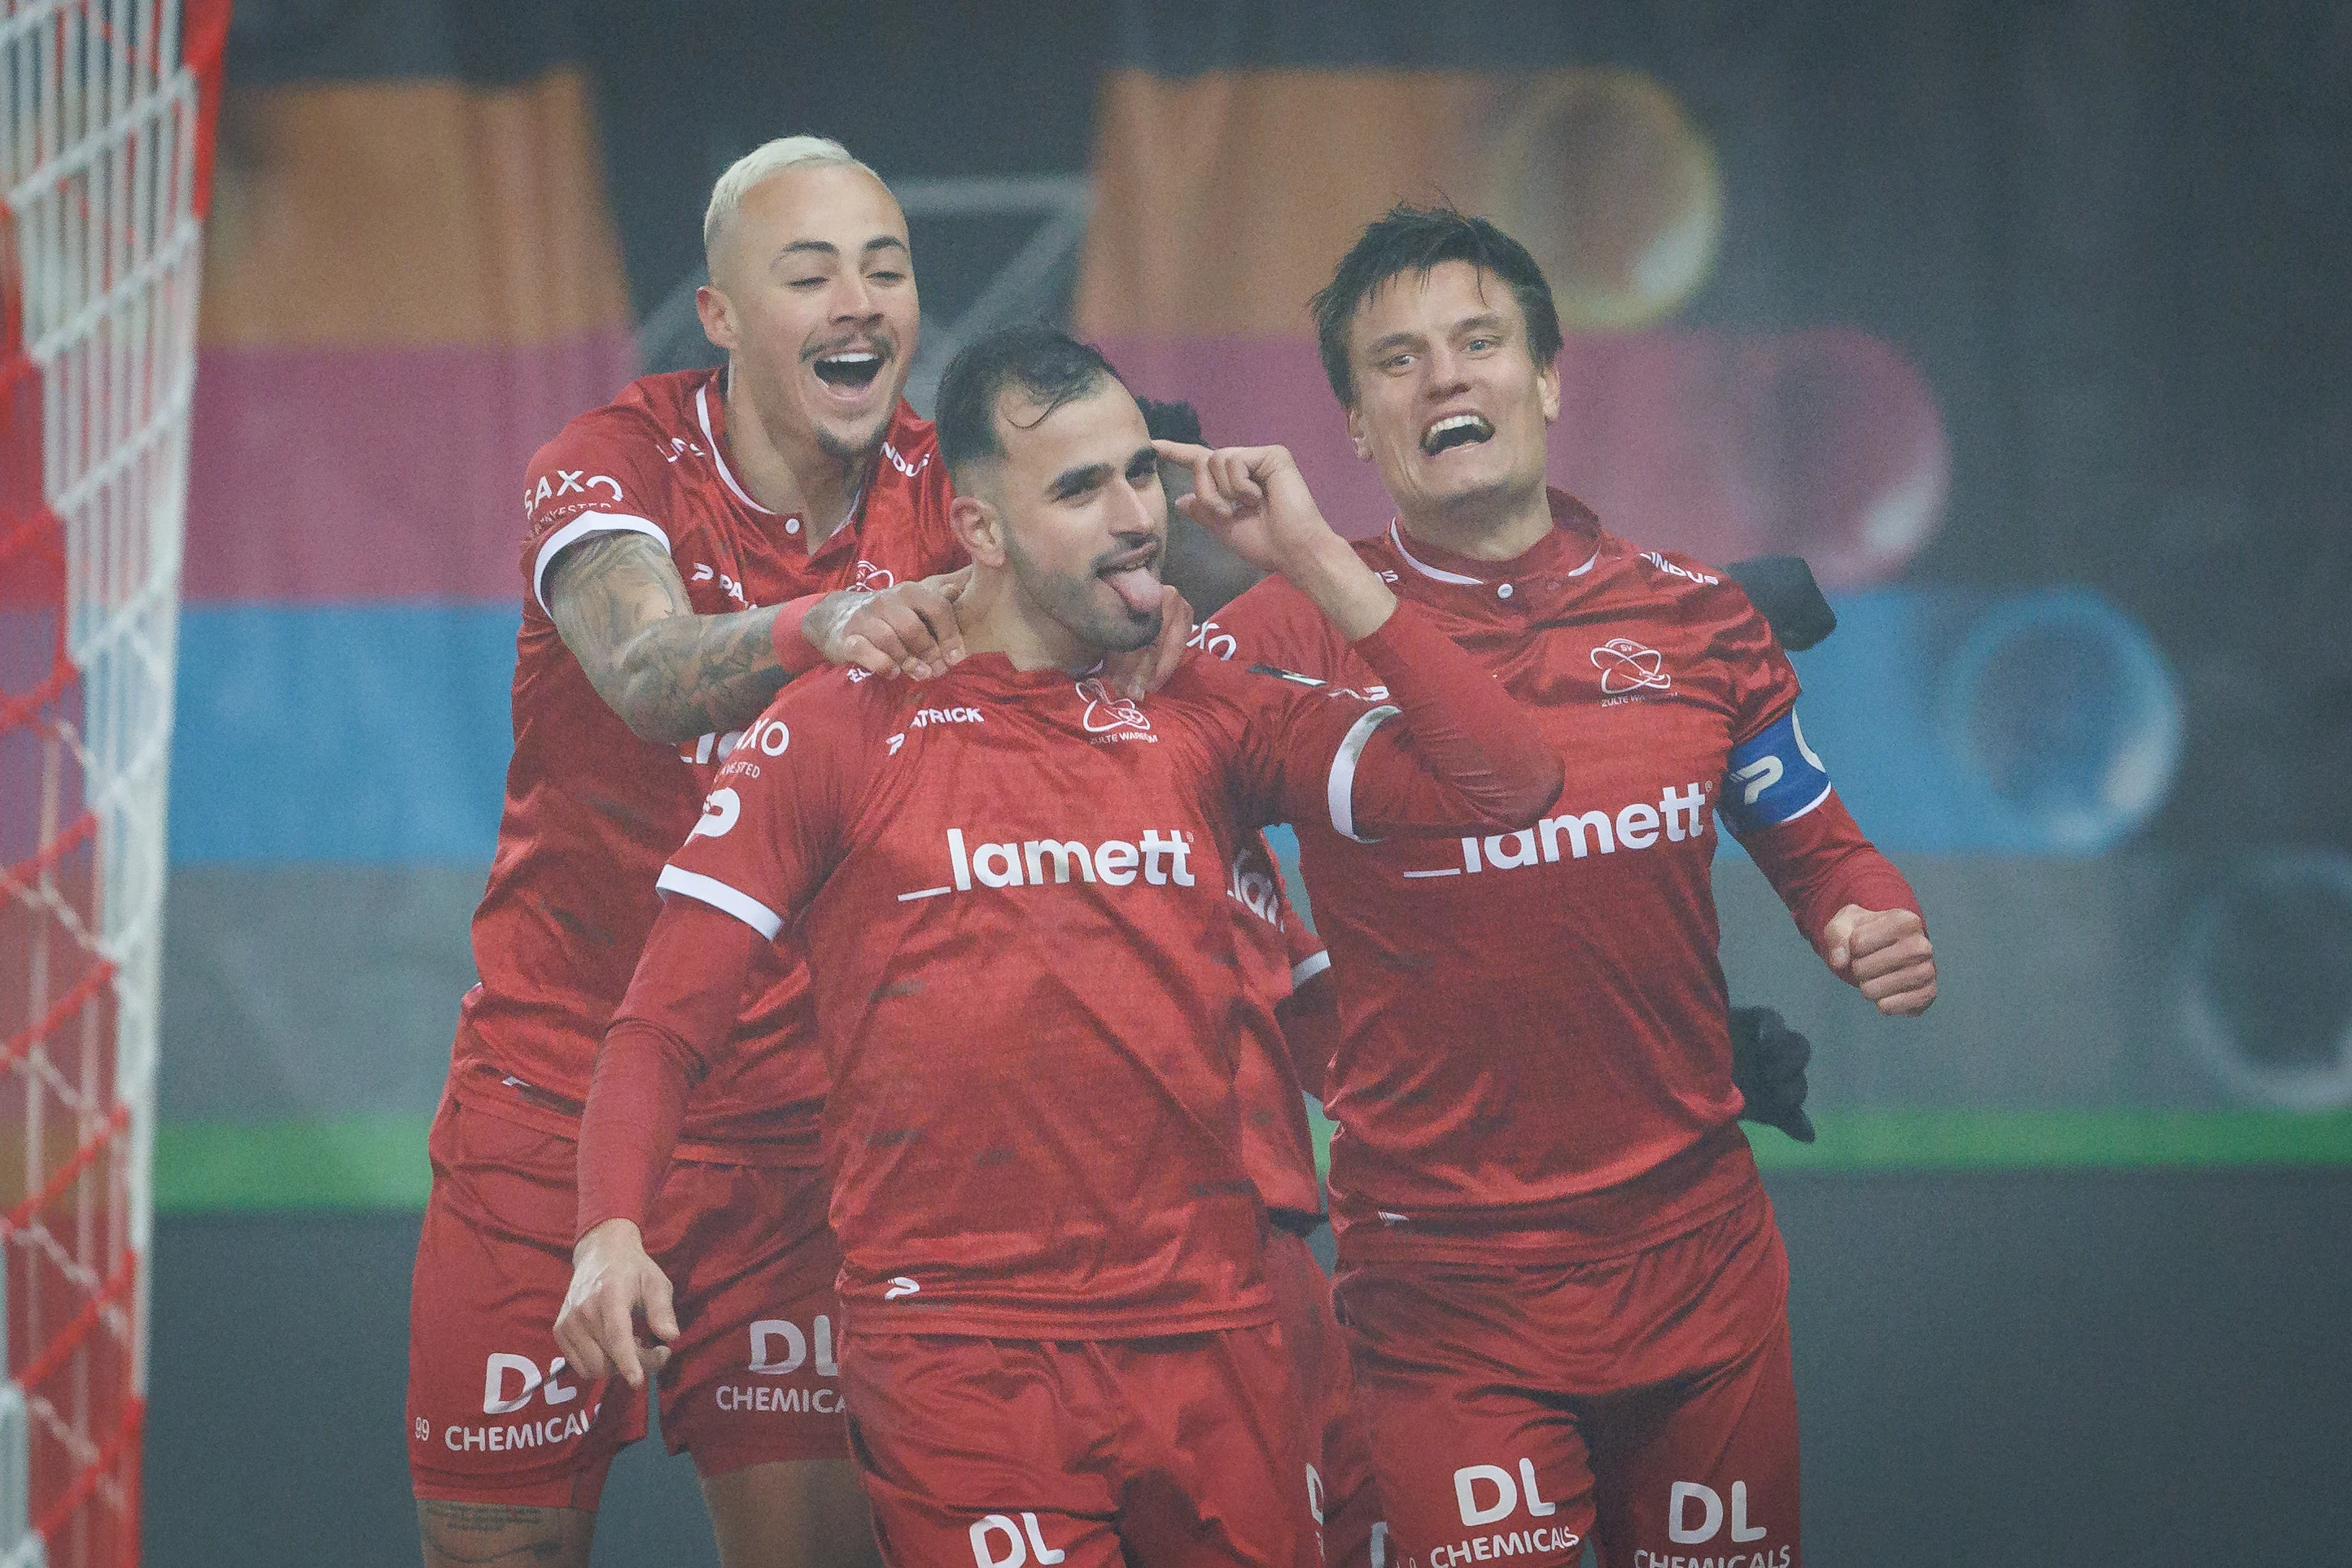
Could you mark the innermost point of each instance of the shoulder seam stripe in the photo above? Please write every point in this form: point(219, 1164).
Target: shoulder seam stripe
point(581, 527)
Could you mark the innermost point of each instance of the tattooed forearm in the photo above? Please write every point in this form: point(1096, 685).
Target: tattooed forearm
point(671, 675)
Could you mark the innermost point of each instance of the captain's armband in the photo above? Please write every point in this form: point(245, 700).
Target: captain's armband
point(1773, 777)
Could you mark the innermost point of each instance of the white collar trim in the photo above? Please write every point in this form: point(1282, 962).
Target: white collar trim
point(702, 413)
point(1396, 537)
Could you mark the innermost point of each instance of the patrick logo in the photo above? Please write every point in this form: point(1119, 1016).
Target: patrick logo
point(1627, 666)
point(1106, 712)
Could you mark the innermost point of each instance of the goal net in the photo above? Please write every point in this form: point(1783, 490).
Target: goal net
point(104, 156)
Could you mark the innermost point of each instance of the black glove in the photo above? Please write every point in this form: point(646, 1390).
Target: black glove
point(1782, 588)
point(1767, 1066)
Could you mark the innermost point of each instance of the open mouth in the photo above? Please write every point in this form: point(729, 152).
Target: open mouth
point(1134, 576)
point(849, 369)
point(1455, 430)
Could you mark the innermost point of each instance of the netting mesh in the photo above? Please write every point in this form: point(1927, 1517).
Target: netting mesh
point(101, 134)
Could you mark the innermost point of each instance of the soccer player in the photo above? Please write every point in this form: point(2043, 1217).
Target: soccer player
point(690, 546)
point(1010, 884)
point(1560, 1274)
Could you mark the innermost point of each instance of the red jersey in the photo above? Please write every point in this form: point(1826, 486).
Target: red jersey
point(592, 811)
point(1535, 1057)
point(1025, 962)
point(1278, 951)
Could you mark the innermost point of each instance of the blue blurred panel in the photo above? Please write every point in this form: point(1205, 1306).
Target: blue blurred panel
point(369, 735)
point(1959, 723)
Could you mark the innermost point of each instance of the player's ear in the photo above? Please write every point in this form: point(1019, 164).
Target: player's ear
point(718, 317)
point(1356, 434)
point(1547, 388)
point(979, 527)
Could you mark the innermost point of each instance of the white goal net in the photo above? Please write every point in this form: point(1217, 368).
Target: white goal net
point(103, 153)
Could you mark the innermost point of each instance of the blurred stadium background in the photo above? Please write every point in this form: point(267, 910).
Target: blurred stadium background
point(2027, 323)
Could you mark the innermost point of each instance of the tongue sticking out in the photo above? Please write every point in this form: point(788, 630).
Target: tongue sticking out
point(1138, 586)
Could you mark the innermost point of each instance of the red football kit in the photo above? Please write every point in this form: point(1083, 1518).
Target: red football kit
point(1012, 893)
point(1285, 989)
point(1538, 1127)
point(591, 813)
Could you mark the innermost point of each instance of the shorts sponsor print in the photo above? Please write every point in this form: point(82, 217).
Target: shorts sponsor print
point(1179, 1451)
point(495, 1416)
point(1644, 1402)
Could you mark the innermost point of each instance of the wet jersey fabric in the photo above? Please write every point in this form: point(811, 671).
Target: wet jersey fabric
point(1534, 1056)
point(592, 812)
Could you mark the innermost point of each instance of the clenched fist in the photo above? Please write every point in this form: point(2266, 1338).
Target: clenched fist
point(1884, 954)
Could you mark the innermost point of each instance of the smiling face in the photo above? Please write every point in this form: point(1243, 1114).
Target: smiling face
point(813, 293)
point(1450, 406)
point(1080, 522)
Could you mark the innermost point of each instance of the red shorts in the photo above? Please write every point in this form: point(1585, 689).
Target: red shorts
point(1345, 1495)
point(493, 1416)
point(1644, 1401)
point(1155, 1453)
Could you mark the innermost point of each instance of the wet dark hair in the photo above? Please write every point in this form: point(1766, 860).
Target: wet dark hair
point(1047, 366)
point(1171, 421)
point(1417, 240)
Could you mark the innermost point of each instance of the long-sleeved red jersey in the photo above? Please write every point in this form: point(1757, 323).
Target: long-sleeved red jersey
point(1534, 1059)
point(1013, 890)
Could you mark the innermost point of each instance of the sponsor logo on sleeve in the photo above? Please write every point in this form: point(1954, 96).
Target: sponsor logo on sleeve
point(721, 809)
point(569, 482)
point(1671, 570)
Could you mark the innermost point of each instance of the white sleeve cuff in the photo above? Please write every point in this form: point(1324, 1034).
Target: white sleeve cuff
point(1309, 967)
point(1342, 792)
point(720, 896)
point(578, 529)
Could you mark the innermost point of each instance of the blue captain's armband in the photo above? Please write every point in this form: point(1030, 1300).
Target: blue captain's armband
point(1774, 778)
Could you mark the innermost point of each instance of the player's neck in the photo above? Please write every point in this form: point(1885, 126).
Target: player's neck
point(996, 617)
point(790, 473)
point(1485, 528)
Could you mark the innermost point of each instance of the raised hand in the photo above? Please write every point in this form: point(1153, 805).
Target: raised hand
point(907, 630)
point(1884, 954)
point(612, 1283)
point(1255, 500)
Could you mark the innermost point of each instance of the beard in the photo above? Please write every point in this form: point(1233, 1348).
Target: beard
point(855, 449)
point(1084, 606)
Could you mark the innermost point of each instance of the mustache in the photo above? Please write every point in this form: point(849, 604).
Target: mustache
point(880, 341)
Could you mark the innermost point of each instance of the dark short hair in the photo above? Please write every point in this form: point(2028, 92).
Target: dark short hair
point(1047, 366)
point(1171, 421)
point(1417, 240)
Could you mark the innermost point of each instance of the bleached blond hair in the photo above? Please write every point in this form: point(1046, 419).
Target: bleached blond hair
point(764, 161)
